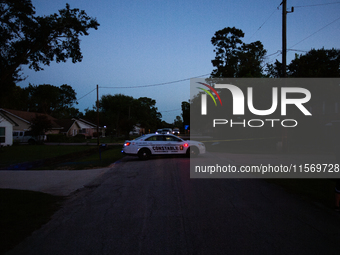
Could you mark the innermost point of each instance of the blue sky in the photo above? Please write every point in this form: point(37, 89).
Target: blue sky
point(151, 42)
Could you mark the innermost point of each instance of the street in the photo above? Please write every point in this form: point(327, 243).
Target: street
point(153, 207)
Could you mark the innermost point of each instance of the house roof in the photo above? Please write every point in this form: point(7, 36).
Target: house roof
point(66, 124)
point(28, 116)
point(4, 116)
point(63, 124)
point(87, 122)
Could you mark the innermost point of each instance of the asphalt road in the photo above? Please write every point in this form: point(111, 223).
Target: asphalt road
point(153, 207)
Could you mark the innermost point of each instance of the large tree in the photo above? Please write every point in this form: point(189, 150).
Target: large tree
point(315, 63)
point(27, 39)
point(53, 100)
point(185, 113)
point(234, 58)
point(148, 115)
point(40, 125)
point(274, 70)
point(178, 122)
point(121, 112)
point(116, 111)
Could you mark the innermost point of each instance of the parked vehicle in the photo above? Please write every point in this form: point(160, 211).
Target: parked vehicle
point(175, 131)
point(159, 131)
point(27, 137)
point(167, 131)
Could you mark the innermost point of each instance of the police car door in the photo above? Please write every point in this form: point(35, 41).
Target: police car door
point(173, 144)
point(156, 144)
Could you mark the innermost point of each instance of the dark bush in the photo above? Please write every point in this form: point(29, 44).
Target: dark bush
point(79, 138)
point(95, 134)
point(56, 138)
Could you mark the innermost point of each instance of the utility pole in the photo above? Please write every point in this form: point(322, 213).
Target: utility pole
point(284, 63)
point(284, 36)
point(97, 104)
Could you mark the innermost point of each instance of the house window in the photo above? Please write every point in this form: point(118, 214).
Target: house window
point(2, 134)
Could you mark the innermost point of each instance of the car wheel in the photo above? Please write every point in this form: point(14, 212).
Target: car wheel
point(144, 154)
point(192, 151)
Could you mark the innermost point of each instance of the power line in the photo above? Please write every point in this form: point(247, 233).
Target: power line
point(263, 23)
point(316, 32)
point(297, 50)
point(277, 8)
point(153, 85)
point(279, 52)
point(143, 86)
point(86, 94)
point(312, 5)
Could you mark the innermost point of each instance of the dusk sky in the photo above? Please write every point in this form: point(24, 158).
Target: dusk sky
point(153, 42)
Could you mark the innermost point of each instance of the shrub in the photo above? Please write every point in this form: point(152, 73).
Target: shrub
point(56, 138)
point(79, 138)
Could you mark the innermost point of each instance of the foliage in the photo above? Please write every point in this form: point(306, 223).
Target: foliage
point(91, 115)
point(27, 153)
point(186, 113)
point(23, 212)
point(55, 101)
point(274, 70)
point(40, 124)
point(121, 113)
point(117, 111)
point(235, 58)
point(315, 63)
point(14, 98)
point(178, 122)
point(148, 116)
point(26, 39)
point(57, 138)
point(61, 138)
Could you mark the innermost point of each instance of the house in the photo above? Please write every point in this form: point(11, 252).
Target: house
point(23, 119)
point(73, 127)
point(6, 130)
point(70, 127)
point(137, 130)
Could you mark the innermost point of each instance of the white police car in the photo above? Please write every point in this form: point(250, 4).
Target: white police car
point(160, 144)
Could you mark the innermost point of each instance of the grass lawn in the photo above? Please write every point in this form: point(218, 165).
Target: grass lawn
point(22, 212)
point(91, 160)
point(70, 157)
point(27, 153)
